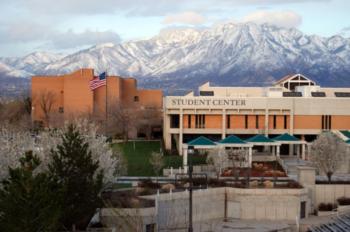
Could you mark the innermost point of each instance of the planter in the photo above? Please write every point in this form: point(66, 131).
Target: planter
point(343, 208)
point(325, 213)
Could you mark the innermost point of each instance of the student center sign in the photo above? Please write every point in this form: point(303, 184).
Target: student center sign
point(207, 102)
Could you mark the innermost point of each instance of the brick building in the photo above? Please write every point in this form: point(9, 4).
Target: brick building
point(60, 98)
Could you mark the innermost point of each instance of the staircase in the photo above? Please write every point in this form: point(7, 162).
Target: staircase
point(291, 163)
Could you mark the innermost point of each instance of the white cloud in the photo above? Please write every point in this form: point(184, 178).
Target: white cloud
point(188, 17)
point(278, 18)
point(23, 32)
point(71, 39)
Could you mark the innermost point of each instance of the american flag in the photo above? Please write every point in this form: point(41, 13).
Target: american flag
point(98, 81)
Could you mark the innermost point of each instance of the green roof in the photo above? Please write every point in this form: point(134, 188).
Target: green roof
point(201, 141)
point(259, 139)
point(232, 139)
point(286, 137)
point(346, 133)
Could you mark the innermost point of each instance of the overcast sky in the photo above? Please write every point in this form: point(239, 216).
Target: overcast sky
point(69, 25)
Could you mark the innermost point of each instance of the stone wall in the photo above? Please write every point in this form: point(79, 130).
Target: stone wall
point(128, 219)
point(270, 204)
point(172, 209)
point(329, 193)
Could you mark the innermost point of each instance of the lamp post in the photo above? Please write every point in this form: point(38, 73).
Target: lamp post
point(190, 171)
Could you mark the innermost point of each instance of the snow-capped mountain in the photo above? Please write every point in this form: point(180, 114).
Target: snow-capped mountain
point(227, 54)
point(8, 71)
point(33, 62)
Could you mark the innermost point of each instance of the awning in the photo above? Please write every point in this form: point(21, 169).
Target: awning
point(262, 140)
point(233, 141)
point(201, 142)
point(346, 133)
point(288, 139)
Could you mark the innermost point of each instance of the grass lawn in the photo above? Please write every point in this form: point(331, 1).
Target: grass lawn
point(138, 154)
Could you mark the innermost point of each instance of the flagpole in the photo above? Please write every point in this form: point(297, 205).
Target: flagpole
point(106, 104)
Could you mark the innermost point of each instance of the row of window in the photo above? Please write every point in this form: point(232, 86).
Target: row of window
point(326, 122)
point(200, 121)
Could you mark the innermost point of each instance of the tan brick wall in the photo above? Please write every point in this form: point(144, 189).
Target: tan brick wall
point(340, 122)
point(237, 121)
point(307, 122)
point(72, 92)
point(213, 121)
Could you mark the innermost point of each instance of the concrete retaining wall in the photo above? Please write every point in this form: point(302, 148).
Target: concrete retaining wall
point(329, 193)
point(125, 219)
point(172, 212)
point(270, 204)
point(173, 208)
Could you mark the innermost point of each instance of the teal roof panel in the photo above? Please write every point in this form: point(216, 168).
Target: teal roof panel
point(201, 141)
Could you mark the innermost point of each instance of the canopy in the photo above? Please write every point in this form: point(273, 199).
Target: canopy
point(346, 133)
point(233, 141)
point(201, 141)
point(288, 139)
point(262, 141)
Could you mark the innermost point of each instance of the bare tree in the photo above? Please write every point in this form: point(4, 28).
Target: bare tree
point(45, 100)
point(121, 120)
point(328, 153)
point(157, 162)
point(237, 156)
point(16, 113)
point(149, 118)
point(218, 158)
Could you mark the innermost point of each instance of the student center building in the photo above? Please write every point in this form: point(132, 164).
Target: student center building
point(295, 105)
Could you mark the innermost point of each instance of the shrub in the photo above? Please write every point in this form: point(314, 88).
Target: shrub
point(148, 183)
point(326, 207)
point(343, 201)
point(293, 184)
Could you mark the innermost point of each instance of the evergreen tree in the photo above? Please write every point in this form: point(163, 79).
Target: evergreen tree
point(72, 165)
point(29, 202)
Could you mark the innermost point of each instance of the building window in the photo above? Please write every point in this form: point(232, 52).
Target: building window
point(257, 121)
point(326, 122)
point(200, 121)
point(246, 121)
point(174, 121)
point(285, 122)
point(228, 121)
point(274, 121)
point(60, 110)
point(151, 227)
point(136, 98)
point(189, 121)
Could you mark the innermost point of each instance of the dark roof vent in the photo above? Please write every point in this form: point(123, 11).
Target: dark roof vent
point(292, 94)
point(342, 94)
point(318, 94)
point(206, 93)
